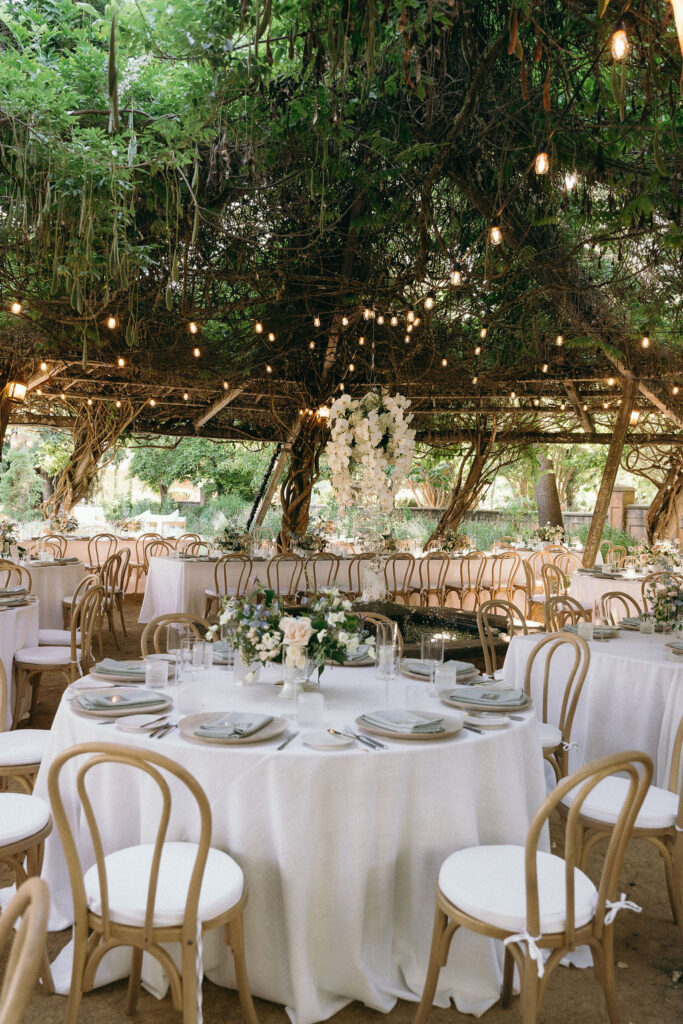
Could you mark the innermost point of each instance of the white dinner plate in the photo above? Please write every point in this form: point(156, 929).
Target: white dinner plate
point(486, 720)
point(452, 727)
point(122, 709)
point(188, 725)
point(320, 739)
point(141, 723)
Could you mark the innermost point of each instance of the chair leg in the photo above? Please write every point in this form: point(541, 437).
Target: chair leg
point(606, 973)
point(191, 983)
point(529, 990)
point(80, 956)
point(134, 981)
point(35, 690)
point(119, 604)
point(235, 938)
point(508, 977)
point(437, 956)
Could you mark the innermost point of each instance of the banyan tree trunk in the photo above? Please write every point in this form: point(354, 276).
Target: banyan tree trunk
point(466, 492)
point(547, 497)
point(662, 517)
point(297, 486)
point(96, 430)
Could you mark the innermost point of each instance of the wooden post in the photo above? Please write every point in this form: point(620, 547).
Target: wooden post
point(276, 476)
point(610, 474)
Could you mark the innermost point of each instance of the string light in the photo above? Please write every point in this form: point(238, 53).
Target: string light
point(121, 361)
point(618, 43)
point(536, 402)
point(409, 328)
point(323, 412)
point(152, 402)
point(193, 327)
point(16, 308)
point(571, 179)
point(605, 405)
point(645, 343)
point(62, 396)
point(544, 368)
point(271, 336)
point(477, 350)
point(311, 345)
point(513, 394)
point(394, 321)
point(118, 403)
point(585, 407)
point(634, 417)
point(196, 353)
point(407, 339)
point(90, 401)
point(429, 302)
point(316, 321)
point(380, 319)
point(618, 401)
point(269, 368)
point(43, 366)
point(258, 327)
point(610, 381)
point(410, 316)
point(361, 340)
point(225, 385)
point(367, 313)
point(352, 367)
point(444, 362)
point(185, 395)
point(559, 340)
point(675, 389)
point(542, 161)
point(345, 321)
point(563, 406)
point(474, 380)
point(111, 323)
point(39, 391)
point(416, 322)
point(456, 275)
point(341, 386)
point(495, 234)
point(483, 332)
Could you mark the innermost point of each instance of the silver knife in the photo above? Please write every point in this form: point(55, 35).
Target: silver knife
point(473, 728)
point(288, 740)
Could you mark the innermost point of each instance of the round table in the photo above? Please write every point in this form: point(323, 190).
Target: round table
point(341, 850)
point(632, 698)
point(50, 582)
point(18, 629)
point(587, 588)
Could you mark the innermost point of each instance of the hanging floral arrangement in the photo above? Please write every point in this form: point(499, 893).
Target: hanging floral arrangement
point(372, 433)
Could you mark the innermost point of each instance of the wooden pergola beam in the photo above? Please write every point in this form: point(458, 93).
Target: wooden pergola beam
point(216, 407)
point(584, 418)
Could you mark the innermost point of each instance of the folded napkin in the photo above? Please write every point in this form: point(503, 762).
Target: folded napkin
point(676, 645)
point(233, 725)
point(597, 630)
point(112, 667)
point(105, 701)
point(10, 602)
point(361, 654)
point(12, 591)
point(404, 721)
point(500, 698)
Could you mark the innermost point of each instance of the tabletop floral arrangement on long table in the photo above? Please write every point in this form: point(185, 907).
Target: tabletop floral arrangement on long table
point(665, 597)
point(262, 630)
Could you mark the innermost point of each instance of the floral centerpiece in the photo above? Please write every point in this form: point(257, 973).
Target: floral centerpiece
point(8, 535)
point(662, 552)
point(548, 534)
point(388, 544)
point(665, 598)
point(258, 627)
point(233, 539)
point(311, 542)
point(452, 541)
point(62, 522)
point(373, 435)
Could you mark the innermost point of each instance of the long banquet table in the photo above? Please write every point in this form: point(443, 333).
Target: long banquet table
point(50, 582)
point(341, 850)
point(632, 698)
point(589, 589)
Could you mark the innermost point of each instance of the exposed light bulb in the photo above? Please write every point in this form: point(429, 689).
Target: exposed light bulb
point(477, 350)
point(39, 391)
point(152, 402)
point(456, 275)
point(62, 396)
point(559, 340)
point(495, 234)
point(225, 385)
point(352, 367)
point(394, 321)
point(407, 339)
point(269, 368)
point(43, 366)
point(16, 308)
point(367, 313)
point(513, 394)
point(185, 395)
point(316, 321)
point(111, 322)
point(90, 401)
point(675, 390)
point(409, 328)
point(121, 361)
point(345, 321)
point(196, 353)
point(410, 316)
point(361, 340)
point(444, 362)
point(118, 403)
point(610, 381)
point(271, 336)
point(311, 345)
point(416, 322)
point(585, 407)
point(544, 368)
point(380, 319)
point(618, 43)
point(483, 332)
point(542, 161)
point(634, 417)
point(536, 402)
point(341, 386)
point(429, 301)
point(605, 405)
point(193, 327)
point(571, 179)
point(645, 343)
point(563, 406)
point(474, 380)
point(258, 327)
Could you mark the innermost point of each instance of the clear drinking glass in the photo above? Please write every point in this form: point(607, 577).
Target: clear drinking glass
point(187, 645)
point(432, 655)
point(156, 674)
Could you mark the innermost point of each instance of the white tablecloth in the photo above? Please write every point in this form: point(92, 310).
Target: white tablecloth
point(341, 851)
point(50, 583)
point(589, 589)
point(18, 629)
point(632, 698)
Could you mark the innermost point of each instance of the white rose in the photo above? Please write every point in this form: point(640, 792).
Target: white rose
point(296, 632)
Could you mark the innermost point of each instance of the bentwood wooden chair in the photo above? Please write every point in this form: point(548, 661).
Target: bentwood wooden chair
point(284, 574)
point(470, 568)
point(490, 631)
point(652, 580)
point(572, 664)
point(659, 821)
point(615, 606)
point(398, 573)
point(555, 583)
point(321, 570)
point(185, 540)
point(13, 575)
point(371, 620)
point(432, 569)
point(21, 750)
point(197, 547)
point(231, 576)
point(503, 578)
point(503, 543)
point(568, 562)
point(24, 920)
point(157, 549)
point(356, 574)
point(54, 543)
point(155, 630)
point(139, 565)
point(534, 596)
point(153, 894)
point(68, 604)
point(68, 662)
point(100, 547)
point(562, 610)
point(534, 901)
point(113, 579)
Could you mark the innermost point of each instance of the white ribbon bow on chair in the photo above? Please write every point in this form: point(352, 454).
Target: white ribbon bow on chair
point(614, 906)
point(535, 952)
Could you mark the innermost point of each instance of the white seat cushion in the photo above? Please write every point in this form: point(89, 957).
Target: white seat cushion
point(24, 746)
point(68, 600)
point(551, 737)
point(488, 882)
point(21, 816)
point(57, 637)
point(128, 881)
point(43, 656)
point(604, 803)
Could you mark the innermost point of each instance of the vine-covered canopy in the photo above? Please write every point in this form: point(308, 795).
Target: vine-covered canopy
point(221, 212)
